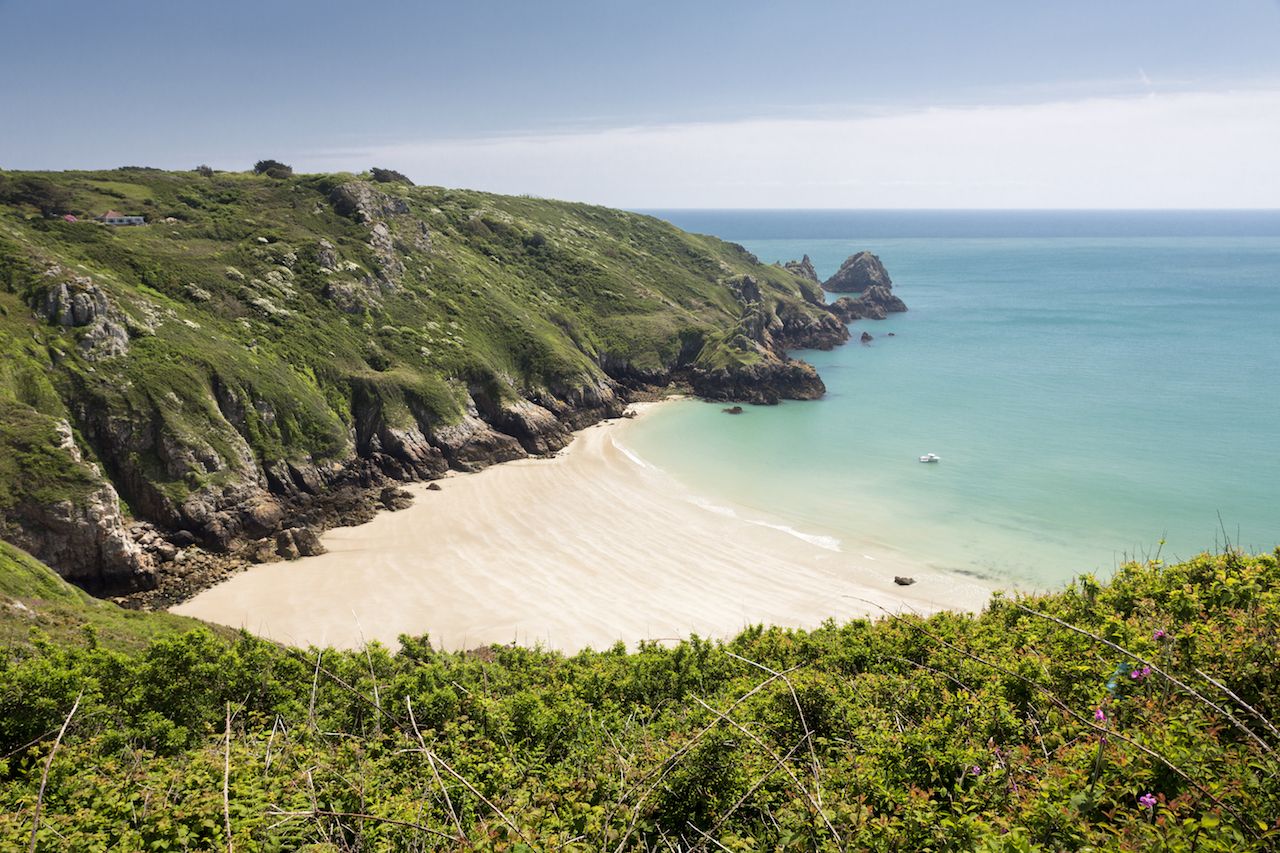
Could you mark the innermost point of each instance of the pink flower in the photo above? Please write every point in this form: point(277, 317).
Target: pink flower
point(1100, 715)
point(1159, 634)
point(1147, 800)
point(975, 770)
point(1140, 674)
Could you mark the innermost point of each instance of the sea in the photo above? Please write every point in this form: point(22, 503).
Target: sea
point(1100, 386)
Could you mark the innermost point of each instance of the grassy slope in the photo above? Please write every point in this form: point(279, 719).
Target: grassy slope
point(513, 296)
point(36, 604)
point(955, 733)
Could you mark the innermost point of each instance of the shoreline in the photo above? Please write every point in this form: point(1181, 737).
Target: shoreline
point(585, 548)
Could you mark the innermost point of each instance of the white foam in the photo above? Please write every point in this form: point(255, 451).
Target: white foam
point(829, 543)
point(712, 507)
point(634, 458)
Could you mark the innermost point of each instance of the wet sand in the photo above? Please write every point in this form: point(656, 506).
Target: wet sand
point(584, 549)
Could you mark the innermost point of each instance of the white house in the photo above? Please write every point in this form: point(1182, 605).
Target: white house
point(115, 217)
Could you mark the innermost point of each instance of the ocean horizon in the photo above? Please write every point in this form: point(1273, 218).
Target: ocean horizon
point(1100, 385)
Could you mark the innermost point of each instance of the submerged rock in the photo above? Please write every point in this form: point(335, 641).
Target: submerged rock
point(732, 410)
point(866, 337)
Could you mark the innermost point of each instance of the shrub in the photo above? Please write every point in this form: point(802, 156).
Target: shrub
point(41, 193)
point(272, 169)
point(389, 176)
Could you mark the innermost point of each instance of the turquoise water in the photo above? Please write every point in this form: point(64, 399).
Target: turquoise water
point(1089, 395)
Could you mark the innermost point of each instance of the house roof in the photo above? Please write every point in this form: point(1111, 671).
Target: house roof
point(111, 214)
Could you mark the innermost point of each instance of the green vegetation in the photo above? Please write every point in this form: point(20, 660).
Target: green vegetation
point(389, 176)
point(257, 309)
point(38, 608)
point(1007, 731)
point(272, 169)
point(274, 318)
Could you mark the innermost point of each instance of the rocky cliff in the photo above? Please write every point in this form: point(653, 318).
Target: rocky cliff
point(269, 357)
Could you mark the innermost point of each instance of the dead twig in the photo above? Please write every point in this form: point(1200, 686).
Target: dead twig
point(462, 835)
point(226, 780)
point(804, 792)
point(1243, 704)
point(479, 795)
point(777, 765)
point(319, 813)
point(44, 777)
point(669, 763)
point(804, 725)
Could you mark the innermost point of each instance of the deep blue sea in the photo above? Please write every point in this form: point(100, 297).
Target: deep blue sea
point(1095, 383)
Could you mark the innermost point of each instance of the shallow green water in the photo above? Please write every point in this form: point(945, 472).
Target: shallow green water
point(1089, 396)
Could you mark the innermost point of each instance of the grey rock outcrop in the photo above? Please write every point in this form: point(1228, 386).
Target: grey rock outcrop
point(876, 303)
point(857, 273)
point(804, 269)
point(363, 202)
point(537, 429)
point(471, 444)
point(763, 383)
point(76, 302)
point(85, 538)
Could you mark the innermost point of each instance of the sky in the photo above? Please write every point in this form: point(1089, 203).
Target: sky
point(660, 104)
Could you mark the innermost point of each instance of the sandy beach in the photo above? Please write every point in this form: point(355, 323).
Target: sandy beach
point(584, 549)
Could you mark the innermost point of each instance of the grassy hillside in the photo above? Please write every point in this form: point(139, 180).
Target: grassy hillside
point(38, 606)
point(1132, 714)
point(263, 342)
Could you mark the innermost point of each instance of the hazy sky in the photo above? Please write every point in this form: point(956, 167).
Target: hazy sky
point(721, 103)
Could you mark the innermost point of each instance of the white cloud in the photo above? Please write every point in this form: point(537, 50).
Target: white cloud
point(1209, 149)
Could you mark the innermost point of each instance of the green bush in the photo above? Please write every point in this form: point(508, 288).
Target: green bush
point(947, 733)
point(272, 169)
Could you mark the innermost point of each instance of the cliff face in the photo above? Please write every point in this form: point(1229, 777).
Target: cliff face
point(266, 358)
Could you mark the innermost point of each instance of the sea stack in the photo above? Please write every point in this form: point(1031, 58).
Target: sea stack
point(865, 275)
point(857, 274)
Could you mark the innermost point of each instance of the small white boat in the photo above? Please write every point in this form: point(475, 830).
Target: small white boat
point(931, 457)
